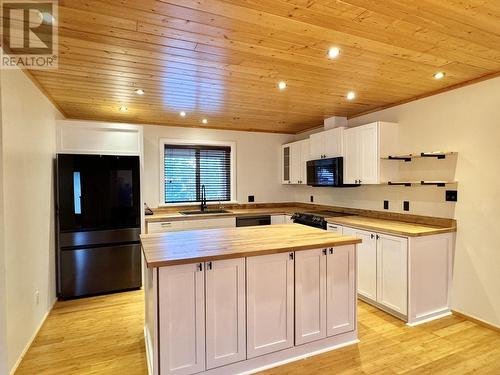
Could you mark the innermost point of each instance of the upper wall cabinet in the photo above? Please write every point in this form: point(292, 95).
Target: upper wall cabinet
point(294, 158)
point(327, 144)
point(363, 146)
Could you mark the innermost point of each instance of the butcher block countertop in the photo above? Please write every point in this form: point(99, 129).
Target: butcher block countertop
point(233, 212)
point(390, 226)
point(173, 248)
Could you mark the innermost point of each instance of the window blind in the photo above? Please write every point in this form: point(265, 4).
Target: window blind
point(188, 168)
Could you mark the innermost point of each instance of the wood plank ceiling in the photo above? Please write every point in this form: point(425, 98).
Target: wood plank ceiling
point(222, 60)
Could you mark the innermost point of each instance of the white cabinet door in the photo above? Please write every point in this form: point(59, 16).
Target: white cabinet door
point(316, 146)
point(367, 262)
point(225, 312)
point(182, 319)
point(310, 295)
point(334, 228)
point(333, 142)
point(295, 163)
point(392, 272)
point(277, 219)
point(304, 158)
point(285, 164)
point(340, 289)
point(270, 299)
point(368, 153)
point(351, 156)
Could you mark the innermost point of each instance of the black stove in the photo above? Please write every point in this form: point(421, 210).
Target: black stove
point(315, 219)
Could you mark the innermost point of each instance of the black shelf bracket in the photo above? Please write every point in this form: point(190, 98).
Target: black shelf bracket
point(427, 155)
point(399, 183)
point(441, 184)
point(406, 159)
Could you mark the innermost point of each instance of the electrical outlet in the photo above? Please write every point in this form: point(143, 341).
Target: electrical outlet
point(251, 198)
point(36, 297)
point(386, 205)
point(312, 198)
point(451, 195)
point(406, 206)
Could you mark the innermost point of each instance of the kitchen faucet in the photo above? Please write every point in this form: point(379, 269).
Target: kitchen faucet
point(203, 198)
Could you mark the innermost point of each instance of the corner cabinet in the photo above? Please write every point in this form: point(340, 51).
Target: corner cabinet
point(363, 147)
point(409, 277)
point(294, 157)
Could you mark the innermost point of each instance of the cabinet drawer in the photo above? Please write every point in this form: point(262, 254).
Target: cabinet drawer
point(334, 228)
point(165, 226)
point(225, 222)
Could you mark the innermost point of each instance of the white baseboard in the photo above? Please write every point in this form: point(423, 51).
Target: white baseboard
point(429, 319)
point(30, 342)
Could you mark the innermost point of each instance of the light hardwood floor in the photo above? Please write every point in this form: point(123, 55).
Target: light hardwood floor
point(104, 335)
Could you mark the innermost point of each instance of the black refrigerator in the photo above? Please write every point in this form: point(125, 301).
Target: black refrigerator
point(98, 224)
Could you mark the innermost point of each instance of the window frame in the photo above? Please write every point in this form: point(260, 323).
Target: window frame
point(189, 142)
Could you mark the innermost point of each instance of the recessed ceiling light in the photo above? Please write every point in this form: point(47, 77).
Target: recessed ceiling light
point(351, 95)
point(139, 92)
point(123, 109)
point(439, 75)
point(182, 114)
point(205, 121)
point(333, 52)
point(282, 85)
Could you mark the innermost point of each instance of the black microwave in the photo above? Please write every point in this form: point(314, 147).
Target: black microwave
point(326, 172)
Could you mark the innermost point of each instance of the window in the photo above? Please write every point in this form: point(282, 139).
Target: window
point(187, 168)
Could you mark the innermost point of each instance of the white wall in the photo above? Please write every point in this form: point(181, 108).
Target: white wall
point(28, 149)
point(466, 120)
point(3, 300)
point(258, 161)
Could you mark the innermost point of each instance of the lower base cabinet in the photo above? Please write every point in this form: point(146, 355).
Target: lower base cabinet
point(325, 293)
point(270, 299)
point(215, 314)
point(182, 319)
point(202, 316)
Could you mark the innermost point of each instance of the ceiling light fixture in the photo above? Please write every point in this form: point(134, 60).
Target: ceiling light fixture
point(439, 75)
point(282, 85)
point(351, 95)
point(182, 114)
point(333, 52)
point(123, 109)
point(204, 121)
point(139, 92)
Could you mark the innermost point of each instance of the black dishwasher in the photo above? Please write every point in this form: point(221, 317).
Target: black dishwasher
point(251, 221)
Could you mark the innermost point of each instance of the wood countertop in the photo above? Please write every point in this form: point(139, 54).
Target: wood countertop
point(173, 248)
point(390, 226)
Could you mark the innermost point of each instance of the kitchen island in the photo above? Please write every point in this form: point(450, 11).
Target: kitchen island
point(238, 300)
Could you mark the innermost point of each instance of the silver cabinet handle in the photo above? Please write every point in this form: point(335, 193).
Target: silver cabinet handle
point(166, 224)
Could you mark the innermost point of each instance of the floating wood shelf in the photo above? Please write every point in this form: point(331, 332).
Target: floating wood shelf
point(409, 157)
point(420, 183)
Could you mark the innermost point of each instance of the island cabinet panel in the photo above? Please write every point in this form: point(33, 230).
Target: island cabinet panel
point(182, 319)
point(392, 272)
point(225, 312)
point(270, 303)
point(310, 295)
point(367, 262)
point(341, 290)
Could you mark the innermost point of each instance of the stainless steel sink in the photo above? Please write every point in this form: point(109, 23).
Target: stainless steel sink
point(206, 212)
